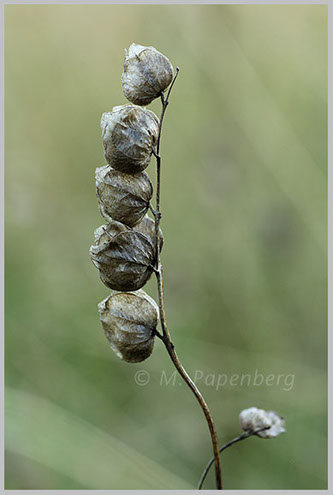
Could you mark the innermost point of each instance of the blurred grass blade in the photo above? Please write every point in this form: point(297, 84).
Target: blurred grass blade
point(48, 434)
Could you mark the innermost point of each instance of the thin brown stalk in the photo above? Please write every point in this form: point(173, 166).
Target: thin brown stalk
point(165, 337)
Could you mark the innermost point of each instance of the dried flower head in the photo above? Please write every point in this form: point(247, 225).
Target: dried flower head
point(123, 197)
point(147, 73)
point(253, 419)
point(124, 256)
point(129, 321)
point(129, 135)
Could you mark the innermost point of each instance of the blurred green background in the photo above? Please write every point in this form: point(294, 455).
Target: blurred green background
point(244, 218)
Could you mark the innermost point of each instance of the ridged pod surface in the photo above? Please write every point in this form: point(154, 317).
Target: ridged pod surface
point(147, 73)
point(129, 321)
point(123, 197)
point(129, 135)
point(124, 256)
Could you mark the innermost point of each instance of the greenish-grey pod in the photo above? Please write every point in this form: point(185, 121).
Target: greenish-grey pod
point(123, 197)
point(129, 135)
point(147, 73)
point(125, 257)
point(129, 321)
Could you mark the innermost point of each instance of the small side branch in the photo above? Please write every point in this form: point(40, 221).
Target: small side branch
point(171, 85)
point(225, 446)
point(155, 213)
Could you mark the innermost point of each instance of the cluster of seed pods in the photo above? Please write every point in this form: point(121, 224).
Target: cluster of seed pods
point(124, 250)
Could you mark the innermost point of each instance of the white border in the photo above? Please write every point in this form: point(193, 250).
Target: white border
point(330, 203)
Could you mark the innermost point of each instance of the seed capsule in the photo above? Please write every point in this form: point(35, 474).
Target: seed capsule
point(147, 228)
point(129, 321)
point(129, 135)
point(147, 73)
point(124, 256)
point(123, 197)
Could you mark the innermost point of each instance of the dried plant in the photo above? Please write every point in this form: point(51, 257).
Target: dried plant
point(127, 250)
point(255, 422)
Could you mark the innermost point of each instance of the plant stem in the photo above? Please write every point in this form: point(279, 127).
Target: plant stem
point(235, 440)
point(165, 337)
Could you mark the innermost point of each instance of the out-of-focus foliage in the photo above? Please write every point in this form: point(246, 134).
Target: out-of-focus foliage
point(244, 220)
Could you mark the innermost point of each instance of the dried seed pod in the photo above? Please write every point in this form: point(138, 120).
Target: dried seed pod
point(129, 135)
point(253, 419)
point(104, 233)
point(147, 228)
point(147, 73)
point(123, 197)
point(124, 256)
point(129, 321)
